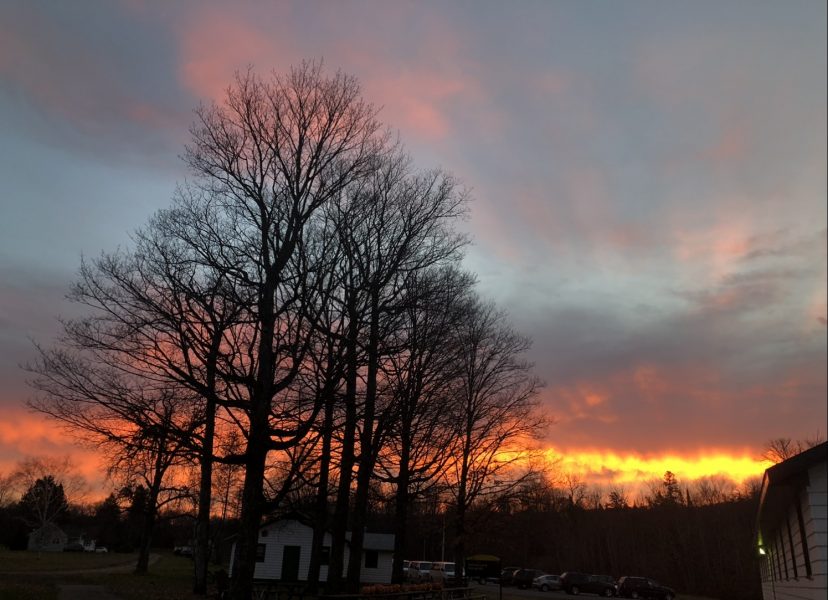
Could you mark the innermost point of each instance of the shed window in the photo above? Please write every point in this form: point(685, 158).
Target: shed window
point(263, 533)
point(260, 552)
point(325, 556)
point(371, 559)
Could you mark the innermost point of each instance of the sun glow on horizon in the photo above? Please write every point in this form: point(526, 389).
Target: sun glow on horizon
point(606, 467)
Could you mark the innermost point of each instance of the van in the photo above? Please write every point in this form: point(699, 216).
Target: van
point(442, 570)
point(419, 570)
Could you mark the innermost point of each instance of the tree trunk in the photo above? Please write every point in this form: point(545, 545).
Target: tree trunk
point(142, 566)
point(202, 529)
point(460, 514)
point(401, 517)
point(258, 444)
point(244, 563)
point(321, 516)
point(346, 463)
point(367, 452)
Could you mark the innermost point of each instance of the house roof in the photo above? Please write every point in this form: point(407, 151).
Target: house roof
point(375, 541)
point(371, 540)
point(781, 483)
point(50, 528)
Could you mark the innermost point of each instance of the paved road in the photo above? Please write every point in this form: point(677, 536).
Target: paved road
point(492, 591)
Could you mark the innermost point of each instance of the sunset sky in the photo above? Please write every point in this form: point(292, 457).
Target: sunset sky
point(649, 184)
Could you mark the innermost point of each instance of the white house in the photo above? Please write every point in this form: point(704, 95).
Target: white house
point(49, 538)
point(792, 527)
point(285, 547)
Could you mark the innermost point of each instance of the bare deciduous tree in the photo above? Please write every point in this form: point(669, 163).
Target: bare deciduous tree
point(782, 448)
point(140, 424)
point(272, 155)
point(496, 411)
point(419, 373)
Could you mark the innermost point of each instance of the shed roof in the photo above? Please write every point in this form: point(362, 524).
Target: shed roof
point(781, 483)
point(371, 540)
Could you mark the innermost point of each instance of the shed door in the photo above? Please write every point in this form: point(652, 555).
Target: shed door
point(290, 563)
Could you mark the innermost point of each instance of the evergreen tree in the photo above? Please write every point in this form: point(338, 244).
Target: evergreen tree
point(44, 501)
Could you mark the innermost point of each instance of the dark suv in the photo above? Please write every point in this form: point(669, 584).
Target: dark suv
point(576, 583)
point(643, 587)
point(523, 578)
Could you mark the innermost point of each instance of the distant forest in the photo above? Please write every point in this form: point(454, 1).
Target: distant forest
point(702, 550)
point(697, 539)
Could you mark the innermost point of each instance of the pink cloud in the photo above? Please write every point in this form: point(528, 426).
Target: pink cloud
point(731, 145)
point(418, 100)
point(552, 83)
point(215, 43)
point(714, 249)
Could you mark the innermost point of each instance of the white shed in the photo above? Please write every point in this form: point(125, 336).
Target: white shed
point(49, 538)
point(792, 527)
point(285, 548)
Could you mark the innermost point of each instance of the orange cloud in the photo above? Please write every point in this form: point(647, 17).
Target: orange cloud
point(23, 434)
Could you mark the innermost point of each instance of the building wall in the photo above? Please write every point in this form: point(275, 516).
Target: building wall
point(816, 521)
point(275, 536)
point(785, 569)
point(48, 538)
point(382, 573)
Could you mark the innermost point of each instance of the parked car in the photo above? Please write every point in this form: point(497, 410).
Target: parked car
point(183, 550)
point(507, 575)
point(577, 583)
point(523, 578)
point(101, 550)
point(644, 587)
point(545, 583)
point(482, 568)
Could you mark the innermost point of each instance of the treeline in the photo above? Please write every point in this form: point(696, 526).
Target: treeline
point(40, 491)
point(298, 324)
point(686, 537)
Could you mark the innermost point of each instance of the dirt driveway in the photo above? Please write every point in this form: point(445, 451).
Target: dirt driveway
point(83, 591)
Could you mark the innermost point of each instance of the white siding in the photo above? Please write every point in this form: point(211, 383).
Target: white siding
point(781, 584)
point(275, 536)
point(816, 521)
point(381, 574)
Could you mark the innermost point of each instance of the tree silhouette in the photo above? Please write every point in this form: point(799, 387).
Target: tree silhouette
point(44, 501)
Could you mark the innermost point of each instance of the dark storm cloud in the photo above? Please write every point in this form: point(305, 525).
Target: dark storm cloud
point(734, 364)
point(88, 81)
point(648, 181)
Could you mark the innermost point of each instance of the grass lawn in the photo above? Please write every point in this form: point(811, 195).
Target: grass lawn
point(38, 562)
point(170, 578)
